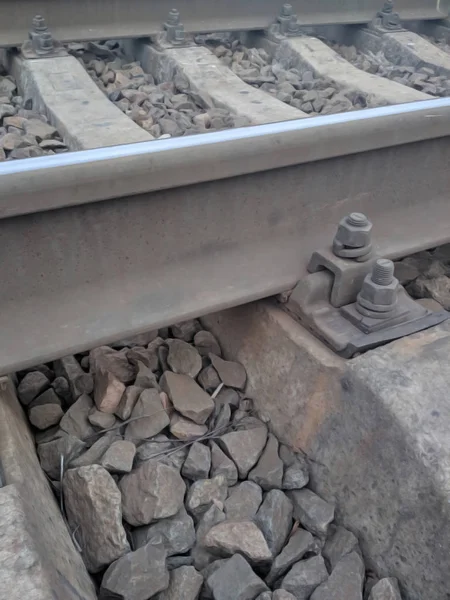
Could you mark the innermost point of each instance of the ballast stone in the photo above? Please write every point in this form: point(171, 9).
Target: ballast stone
point(93, 506)
point(345, 582)
point(314, 513)
point(235, 580)
point(138, 575)
point(150, 492)
point(304, 577)
point(187, 397)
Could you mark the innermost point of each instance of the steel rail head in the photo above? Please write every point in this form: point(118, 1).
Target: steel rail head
point(74, 20)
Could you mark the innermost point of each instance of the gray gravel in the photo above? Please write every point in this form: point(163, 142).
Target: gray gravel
point(160, 510)
point(314, 96)
point(24, 133)
point(426, 277)
point(423, 79)
point(160, 107)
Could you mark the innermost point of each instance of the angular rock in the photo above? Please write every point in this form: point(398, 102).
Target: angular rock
point(48, 435)
point(185, 584)
point(203, 493)
point(243, 501)
point(95, 453)
point(274, 518)
point(62, 388)
point(345, 582)
point(312, 511)
point(235, 580)
point(223, 418)
point(268, 472)
point(75, 421)
point(152, 491)
point(209, 379)
point(304, 577)
point(93, 507)
point(184, 358)
point(298, 545)
point(163, 353)
point(265, 596)
point(198, 462)
point(232, 374)
point(47, 397)
point(45, 415)
point(100, 419)
point(296, 473)
point(341, 543)
point(185, 429)
point(245, 446)
point(206, 343)
point(200, 555)
point(40, 130)
point(79, 381)
point(385, 589)
point(108, 391)
point(187, 397)
point(296, 476)
point(155, 344)
point(31, 386)
point(238, 537)
point(127, 402)
point(138, 575)
point(116, 362)
point(227, 396)
point(149, 358)
point(185, 330)
point(119, 457)
point(437, 288)
point(176, 534)
point(144, 427)
point(50, 453)
point(207, 593)
point(147, 450)
point(222, 465)
point(145, 377)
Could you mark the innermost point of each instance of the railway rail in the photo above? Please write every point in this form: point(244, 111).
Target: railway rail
point(110, 241)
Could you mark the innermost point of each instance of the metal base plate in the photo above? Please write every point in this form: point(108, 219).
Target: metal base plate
point(344, 329)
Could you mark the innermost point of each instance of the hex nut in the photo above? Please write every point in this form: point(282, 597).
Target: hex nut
point(385, 295)
point(353, 236)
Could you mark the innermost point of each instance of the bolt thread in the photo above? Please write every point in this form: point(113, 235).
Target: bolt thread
point(357, 219)
point(286, 10)
point(383, 272)
point(174, 17)
point(39, 23)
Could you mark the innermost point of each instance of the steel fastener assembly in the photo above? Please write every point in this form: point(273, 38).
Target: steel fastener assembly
point(174, 27)
point(378, 295)
point(353, 236)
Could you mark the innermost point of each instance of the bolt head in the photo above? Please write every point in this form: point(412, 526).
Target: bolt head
point(385, 295)
point(351, 236)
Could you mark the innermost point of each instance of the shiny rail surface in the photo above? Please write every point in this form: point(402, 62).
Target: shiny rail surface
point(102, 19)
point(104, 243)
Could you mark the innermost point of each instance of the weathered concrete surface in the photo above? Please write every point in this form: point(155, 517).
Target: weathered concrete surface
point(309, 53)
point(38, 560)
point(216, 84)
point(375, 429)
point(406, 48)
point(85, 118)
